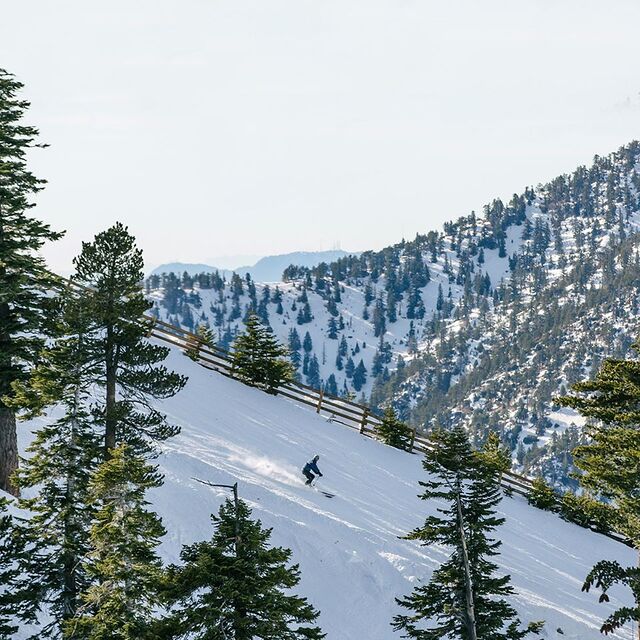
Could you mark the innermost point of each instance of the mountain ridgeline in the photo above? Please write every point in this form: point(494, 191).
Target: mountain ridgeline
point(479, 325)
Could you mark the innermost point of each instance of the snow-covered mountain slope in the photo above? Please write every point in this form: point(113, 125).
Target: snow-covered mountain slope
point(352, 559)
point(480, 324)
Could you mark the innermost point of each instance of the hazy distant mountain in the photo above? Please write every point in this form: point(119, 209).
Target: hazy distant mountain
point(268, 269)
point(181, 267)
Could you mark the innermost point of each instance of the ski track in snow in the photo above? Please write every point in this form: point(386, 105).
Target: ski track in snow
point(352, 559)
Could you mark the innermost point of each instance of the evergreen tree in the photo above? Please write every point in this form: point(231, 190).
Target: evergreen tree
point(313, 374)
point(130, 373)
point(236, 586)
point(440, 300)
point(63, 455)
point(332, 329)
point(295, 359)
point(204, 338)
point(123, 563)
point(23, 278)
point(343, 347)
point(349, 368)
point(258, 359)
point(304, 314)
point(307, 343)
point(495, 455)
point(377, 366)
point(393, 431)
point(542, 495)
point(294, 340)
point(9, 553)
point(609, 465)
point(379, 320)
point(464, 599)
point(359, 376)
point(331, 386)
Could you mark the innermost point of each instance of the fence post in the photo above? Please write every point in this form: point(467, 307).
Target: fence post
point(192, 347)
point(363, 423)
point(413, 439)
point(320, 396)
point(152, 326)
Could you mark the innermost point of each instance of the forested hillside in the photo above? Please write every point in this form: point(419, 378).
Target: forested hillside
point(480, 324)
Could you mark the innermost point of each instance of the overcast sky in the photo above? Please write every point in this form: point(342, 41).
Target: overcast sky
point(253, 127)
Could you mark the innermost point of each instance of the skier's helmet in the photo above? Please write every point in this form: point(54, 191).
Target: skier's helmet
point(316, 458)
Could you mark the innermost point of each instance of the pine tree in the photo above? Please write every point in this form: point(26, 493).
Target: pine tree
point(359, 376)
point(9, 553)
point(542, 495)
point(205, 339)
point(258, 359)
point(609, 465)
point(343, 347)
point(123, 563)
point(349, 368)
point(464, 599)
point(393, 431)
point(495, 455)
point(332, 329)
point(294, 340)
point(331, 386)
point(23, 278)
point(379, 320)
point(130, 373)
point(313, 373)
point(63, 455)
point(307, 343)
point(236, 586)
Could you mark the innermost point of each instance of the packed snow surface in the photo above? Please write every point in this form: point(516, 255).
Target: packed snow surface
point(352, 559)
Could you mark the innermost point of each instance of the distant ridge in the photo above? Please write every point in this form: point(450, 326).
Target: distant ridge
point(270, 268)
point(267, 269)
point(180, 267)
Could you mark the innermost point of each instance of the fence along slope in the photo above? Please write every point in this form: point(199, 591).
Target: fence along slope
point(342, 410)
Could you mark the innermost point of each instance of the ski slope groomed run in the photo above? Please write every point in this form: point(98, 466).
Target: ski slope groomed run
point(352, 560)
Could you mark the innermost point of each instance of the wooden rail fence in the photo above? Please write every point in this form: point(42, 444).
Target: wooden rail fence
point(342, 410)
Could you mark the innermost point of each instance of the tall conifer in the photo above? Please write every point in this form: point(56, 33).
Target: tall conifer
point(610, 465)
point(393, 431)
point(258, 359)
point(62, 457)
point(23, 278)
point(236, 586)
point(130, 369)
point(464, 599)
point(123, 563)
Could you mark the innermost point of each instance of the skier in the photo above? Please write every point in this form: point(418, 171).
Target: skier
point(312, 465)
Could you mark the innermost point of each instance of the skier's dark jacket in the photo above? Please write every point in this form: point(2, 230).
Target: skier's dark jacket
point(312, 466)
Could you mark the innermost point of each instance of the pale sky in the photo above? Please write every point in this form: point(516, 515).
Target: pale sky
point(254, 127)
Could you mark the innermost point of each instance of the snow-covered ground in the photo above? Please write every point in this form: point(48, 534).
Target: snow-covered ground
point(352, 560)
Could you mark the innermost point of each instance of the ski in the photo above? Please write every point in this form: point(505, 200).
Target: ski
point(323, 492)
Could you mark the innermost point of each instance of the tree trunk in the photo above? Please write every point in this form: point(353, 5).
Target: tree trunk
point(71, 561)
point(8, 450)
point(110, 409)
point(8, 436)
point(470, 608)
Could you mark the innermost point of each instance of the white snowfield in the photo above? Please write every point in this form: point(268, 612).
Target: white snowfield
point(353, 562)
